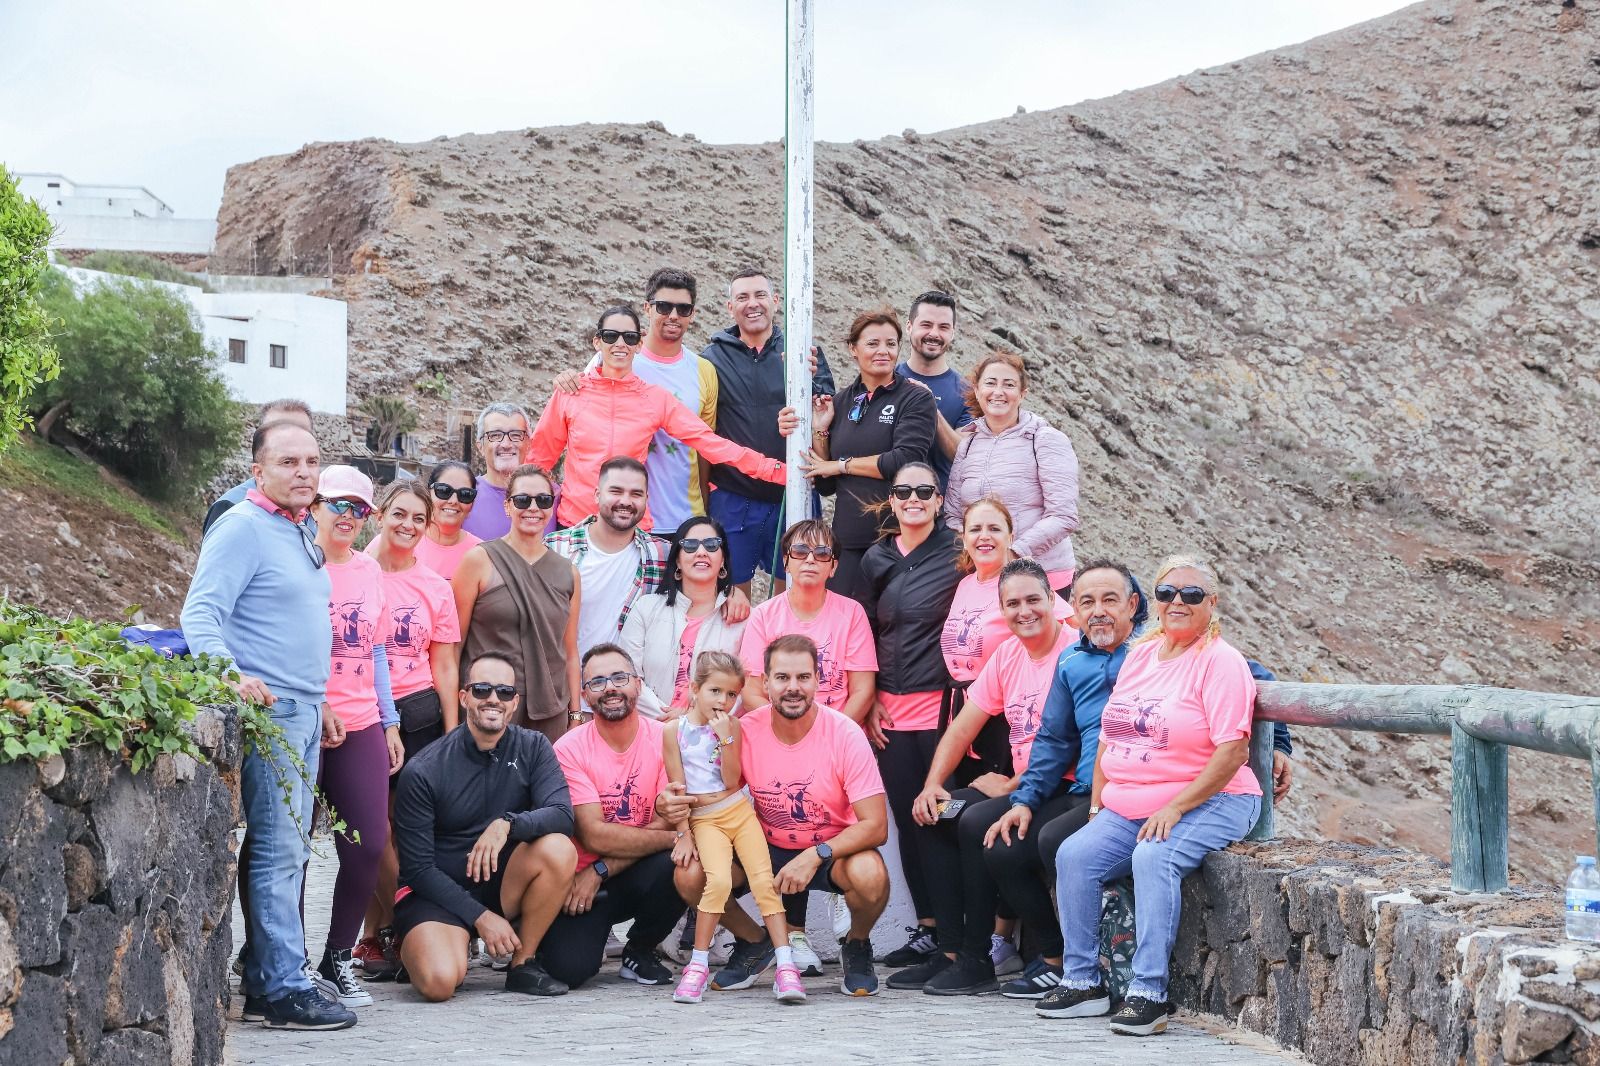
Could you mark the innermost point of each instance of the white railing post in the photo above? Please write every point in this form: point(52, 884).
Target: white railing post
point(799, 115)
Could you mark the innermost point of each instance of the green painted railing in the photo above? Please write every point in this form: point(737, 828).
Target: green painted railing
point(1481, 723)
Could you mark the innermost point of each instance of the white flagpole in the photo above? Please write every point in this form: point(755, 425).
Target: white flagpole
point(797, 267)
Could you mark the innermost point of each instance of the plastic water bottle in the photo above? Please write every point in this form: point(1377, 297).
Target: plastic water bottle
point(1583, 901)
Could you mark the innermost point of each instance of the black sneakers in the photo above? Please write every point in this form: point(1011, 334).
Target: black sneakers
point(339, 969)
point(968, 976)
point(1140, 1017)
point(749, 958)
point(1064, 1002)
point(860, 978)
point(921, 973)
point(643, 965)
point(255, 1009)
point(531, 980)
point(922, 943)
point(1035, 983)
point(305, 1009)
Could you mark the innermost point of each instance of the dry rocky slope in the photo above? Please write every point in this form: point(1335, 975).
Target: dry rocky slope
point(1330, 315)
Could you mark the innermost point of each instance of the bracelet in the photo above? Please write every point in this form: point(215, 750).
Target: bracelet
point(819, 432)
point(575, 716)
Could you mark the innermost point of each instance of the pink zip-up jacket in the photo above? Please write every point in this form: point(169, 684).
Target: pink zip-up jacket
point(608, 417)
point(1033, 470)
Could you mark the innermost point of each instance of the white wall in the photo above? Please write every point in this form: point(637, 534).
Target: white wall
point(128, 234)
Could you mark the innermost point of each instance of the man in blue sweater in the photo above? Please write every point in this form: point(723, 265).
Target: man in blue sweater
point(259, 600)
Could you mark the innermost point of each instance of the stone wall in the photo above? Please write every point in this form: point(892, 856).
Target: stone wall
point(115, 892)
point(1357, 955)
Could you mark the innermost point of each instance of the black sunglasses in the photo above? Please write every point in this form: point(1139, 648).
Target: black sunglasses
point(924, 492)
point(629, 337)
point(859, 406)
point(1190, 594)
point(805, 551)
point(308, 540)
point(480, 691)
point(441, 491)
point(524, 500)
point(666, 307)
point(690, 545)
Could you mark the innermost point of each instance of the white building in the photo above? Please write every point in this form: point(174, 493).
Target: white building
point(122, 218)
point(268, 345)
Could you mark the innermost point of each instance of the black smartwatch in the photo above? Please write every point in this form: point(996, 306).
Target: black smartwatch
point(824, 851)
point(601, 870)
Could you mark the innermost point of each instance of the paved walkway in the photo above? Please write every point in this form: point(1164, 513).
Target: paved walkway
point(613, 1022)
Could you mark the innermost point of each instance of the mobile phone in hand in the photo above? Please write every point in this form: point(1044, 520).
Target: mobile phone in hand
point(951, 809)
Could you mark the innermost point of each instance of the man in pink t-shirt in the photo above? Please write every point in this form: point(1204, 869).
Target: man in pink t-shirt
point(625, 871)
point(817, 792)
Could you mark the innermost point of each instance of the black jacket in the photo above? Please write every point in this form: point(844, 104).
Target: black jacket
point(449, 794)
point(908, 600)
point(896, 424)
point(750, 393)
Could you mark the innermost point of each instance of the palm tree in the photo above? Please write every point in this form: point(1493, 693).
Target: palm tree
point(391, 416)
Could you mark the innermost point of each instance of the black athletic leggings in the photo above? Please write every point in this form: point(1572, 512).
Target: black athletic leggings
point(904, 766)
point(1024, 869)
point(574, 948)
point(963, 893)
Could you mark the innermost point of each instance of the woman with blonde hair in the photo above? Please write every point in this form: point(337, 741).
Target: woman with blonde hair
point(1172, 783)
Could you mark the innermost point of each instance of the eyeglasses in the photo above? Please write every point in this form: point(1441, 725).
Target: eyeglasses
point(666, 307)
point(690, 545)
point(480, 691)
point(308, 540)
point(524, 500)
point(598, 685)
point(343, 507)
point(441, 491)
point(1190, 594)
point(611, 336)
point(859, 407)
point(802, 552)
point(924, 492)
point(495, 436)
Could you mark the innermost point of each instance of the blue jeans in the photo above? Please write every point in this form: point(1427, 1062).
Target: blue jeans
point(1107, 850)
point(275, 842)
point(754, 529)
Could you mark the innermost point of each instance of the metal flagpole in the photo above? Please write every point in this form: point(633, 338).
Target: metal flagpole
point(799, 115)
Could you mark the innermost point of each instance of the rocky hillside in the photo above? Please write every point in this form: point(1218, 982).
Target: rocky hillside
point(1329, 314)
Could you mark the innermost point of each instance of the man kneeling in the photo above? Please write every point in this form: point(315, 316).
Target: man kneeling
point(483, 824)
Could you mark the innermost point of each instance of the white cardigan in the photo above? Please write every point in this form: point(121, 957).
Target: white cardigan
point(651, 636)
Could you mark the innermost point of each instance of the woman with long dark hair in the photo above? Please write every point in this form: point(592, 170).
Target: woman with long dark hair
point(446, 543)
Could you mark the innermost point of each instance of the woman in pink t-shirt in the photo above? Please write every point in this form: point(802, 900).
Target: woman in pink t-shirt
point(1174, 777)
point(445, 542)
point(1012, 686)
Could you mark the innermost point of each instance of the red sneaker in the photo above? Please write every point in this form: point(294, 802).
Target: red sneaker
point(378, 956)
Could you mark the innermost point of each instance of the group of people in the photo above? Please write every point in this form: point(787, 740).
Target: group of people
point(545, 709)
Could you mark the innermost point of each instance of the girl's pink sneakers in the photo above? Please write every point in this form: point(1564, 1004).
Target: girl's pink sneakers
point(787, 986)
point(692, 984)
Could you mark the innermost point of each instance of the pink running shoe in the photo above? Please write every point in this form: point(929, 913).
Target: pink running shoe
point(692, 984)
point(787, 986)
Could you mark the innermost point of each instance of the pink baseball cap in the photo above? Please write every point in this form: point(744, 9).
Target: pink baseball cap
point(345, 483)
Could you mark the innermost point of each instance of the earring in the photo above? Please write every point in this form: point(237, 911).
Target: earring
point(723, 572)
point(678, 574)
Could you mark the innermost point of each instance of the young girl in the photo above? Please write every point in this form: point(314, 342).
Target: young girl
point(701, 751)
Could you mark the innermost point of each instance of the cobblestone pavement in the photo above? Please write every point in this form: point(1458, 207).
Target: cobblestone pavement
point(612, 1021)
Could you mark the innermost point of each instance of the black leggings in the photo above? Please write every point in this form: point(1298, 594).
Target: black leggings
point(964, 895)
point(904, 766)
point(1024, 869)
point(575, 945)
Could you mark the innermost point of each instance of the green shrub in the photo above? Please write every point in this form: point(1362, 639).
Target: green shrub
point(135, 265)
point(27, 359)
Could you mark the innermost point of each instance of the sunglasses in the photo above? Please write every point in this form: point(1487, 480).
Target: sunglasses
point(308, 540)
point(495, 436)
point(1190, 594)
point(666, 307)
point(924, 492)
point(690, 545)
point(619, 679)
point(344, 507)
point(629, 337)
point(480, 691)
point(859, 407)
point(524, 500)
point(802, 552)
point(441, 491)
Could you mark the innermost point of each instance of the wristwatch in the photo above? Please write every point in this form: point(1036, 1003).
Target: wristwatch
point(824, 851)
point(1094, 809)
point(511, 820)
point(844, 465)
point(600, 869)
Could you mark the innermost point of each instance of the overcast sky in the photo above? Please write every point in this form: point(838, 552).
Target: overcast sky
point(170, 93)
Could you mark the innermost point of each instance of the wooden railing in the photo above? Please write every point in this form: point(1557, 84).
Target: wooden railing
point(1481, 723)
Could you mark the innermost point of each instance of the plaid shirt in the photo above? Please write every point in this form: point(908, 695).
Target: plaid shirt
point(573, 543)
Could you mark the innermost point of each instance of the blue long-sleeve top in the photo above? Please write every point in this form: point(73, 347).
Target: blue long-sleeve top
point(387, 715)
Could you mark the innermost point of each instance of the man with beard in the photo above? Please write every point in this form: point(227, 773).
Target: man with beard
point(817, 792)
point(617, 561)
point(483, 823)
point(502, 431)
point(931, 330)
point(625, 872)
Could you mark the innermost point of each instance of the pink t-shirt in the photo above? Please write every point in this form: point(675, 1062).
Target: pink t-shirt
point(443, 559)
point(911, 710)
point(625, 784)
point(355, 607)
point(840, 629)
point(422, 613)
point(1012, 684)
point(975, 627)
point(1165, 719)
point(680, 682)
point(804, 794)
